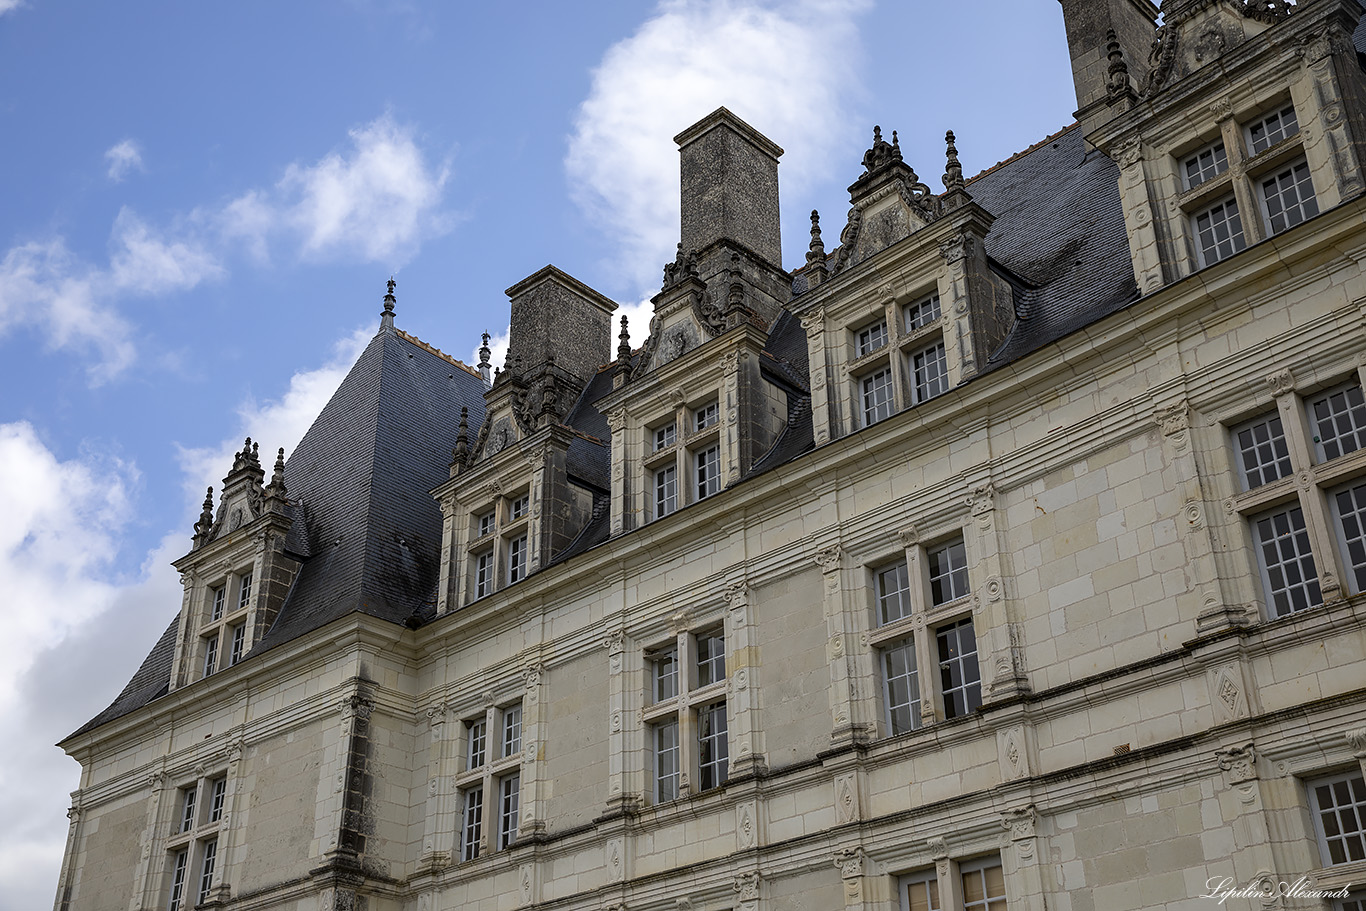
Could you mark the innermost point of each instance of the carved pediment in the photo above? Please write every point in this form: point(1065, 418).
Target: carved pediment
point(1198, 32)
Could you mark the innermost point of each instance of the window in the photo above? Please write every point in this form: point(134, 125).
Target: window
point(1262, 453)
point(948, 572)
point(893, 594)
point(485, 523)
point(1339, 807)
point(193, 847)
point(180, 862)
point(1209, 162)
point(1218, 231)
point(907, 665)
point(961, 682)
point(922, 313)
point(679, 703)
point(901, 686)
point(876, 396)
point(666, 754)
point(512, 730)
point(708, 467)
point(472, 827)
point(239, 643)
point(711, 658)
point(666, 490)
point(705, 416)
point(665, 436)
point(519, 507)
point(713, 752)
point(1338, 418)
point(929, 372)
point(218, 598)
point(1286, 561)
point(871, 338)
point(664, 674)
point(517, 559)
point(244, 591)
point(206, 865)
point(1288, 197)
point(476, 738)
point(1271, 129)
point(1350, 506)
point(507, 810)
point(210, 654)
point(981, 887)
point(483, 574)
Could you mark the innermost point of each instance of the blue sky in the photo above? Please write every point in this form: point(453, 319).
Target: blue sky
point(203, 201)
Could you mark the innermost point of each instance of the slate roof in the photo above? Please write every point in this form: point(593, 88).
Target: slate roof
point(361, 478)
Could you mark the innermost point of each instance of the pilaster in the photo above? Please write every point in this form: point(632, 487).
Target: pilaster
point(743, 687)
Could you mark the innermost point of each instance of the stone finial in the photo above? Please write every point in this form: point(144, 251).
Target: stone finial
point(484, 366)
point(953, 169)
point(205, 523)
point(815, 255)
point(256, 454)
point(1118, 86)
point(623, 344)
point(277, 478)
point(461, 454)
point(882, 153)
point(242, 459)
point(387, 317)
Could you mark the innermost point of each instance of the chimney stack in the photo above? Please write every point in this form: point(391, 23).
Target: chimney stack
point(1087, 21)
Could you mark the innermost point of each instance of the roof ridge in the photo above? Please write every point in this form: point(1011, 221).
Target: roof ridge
point(432, 349)
point(1018, 155)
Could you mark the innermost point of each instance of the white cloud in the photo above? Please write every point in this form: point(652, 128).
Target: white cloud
point(274, 422)
point(123, 157)
point(784, 69)
point(7, 6)
point(379, 200)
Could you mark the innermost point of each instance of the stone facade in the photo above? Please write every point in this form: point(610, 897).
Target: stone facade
point(957, 570)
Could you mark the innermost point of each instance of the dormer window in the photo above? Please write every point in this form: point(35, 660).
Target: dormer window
point(1288, 197)
point(665, 436)
point(921, 313)
point(875, 396)
point(223, 631)
point(1218, 231)
point(1272, 128)
point(871, 338)
point(1205, 164)
point(705, 416)
point(929, 372)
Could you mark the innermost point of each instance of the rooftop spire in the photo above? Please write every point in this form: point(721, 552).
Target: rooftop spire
point(461, 454)
point(623, 343)
point(205, 523)
point(816, 269)
point(1118, 86)
point(956, 194)
point(484, 367)
point(387, 317)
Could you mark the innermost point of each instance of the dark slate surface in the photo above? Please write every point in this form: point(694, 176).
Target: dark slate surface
point(151, 680)
point(787, 353)
point(798, 437)
point(595, 532)
point(1060, 227)
point(587, 461)
point(361, 481)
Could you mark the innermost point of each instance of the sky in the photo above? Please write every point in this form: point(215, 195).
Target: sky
point(203, 202)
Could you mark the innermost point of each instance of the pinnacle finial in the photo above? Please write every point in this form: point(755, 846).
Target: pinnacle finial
point(280, 461)
point(877, 134)
point(1118, 83)
point(624, 343)
point(815, 255)
point(387, 315)
point(204, 526)
point(953, 169)
point(460, 456)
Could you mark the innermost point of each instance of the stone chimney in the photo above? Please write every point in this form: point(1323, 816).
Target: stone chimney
point(729, 186)
point(557, 319)
point(1088, 21)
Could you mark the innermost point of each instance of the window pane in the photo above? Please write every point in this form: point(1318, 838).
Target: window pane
point(665, 672)
point(478, 744)
point(217, 793)
point(1289, 197)
point(665, 437)
point(1287, 563)
point(876, 396)
point(1263, 454)
point(948, 573)
point(244, 592)
point(218, 599)
point(206, 869)
point(1340, 810)
point(187, 810)
point(958, 671)
point(901, 686)
point(920, 315)
point(666, 491)
point(508, 797)
point(872, 338)
point(1339, 419)
point(1351, 510)
point(1219, 231)
point(666, 761)
point(516, 559)
point(239, 643)
point(473, 827)
point(713, 750)
point(1272, 128)
point(924, 895)
point(708, 463)
point(178, 869)
point(893, 594)
point(1205, 164)
point(483, 574)
point(210, 654)
point(711, 658)
point(930, 372)
point(705, 416)
point(512, 730)
point(984, 889)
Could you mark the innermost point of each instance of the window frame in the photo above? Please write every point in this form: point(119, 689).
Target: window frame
point(1237, 241)
point(493, 748)
point(1317, 812)
point(704, 651)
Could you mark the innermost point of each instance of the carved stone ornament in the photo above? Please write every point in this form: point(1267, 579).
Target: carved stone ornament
point(849, 861)
point(531, 676)
point(747, 886)
point(437, 714)
point(982, 499)
point(737, 594)
point(1129, 154)
point(938, 847)
point(828, 559)
point(1239, 763)
point(814, 323)
point(1281, 382)
point(1173, 419)
point(956, 248)
point(616, 420)
point(357, 706)
point(1357, 740)
point(1020, 821)
point(614, 642)
point(745, 827)
point(909, 536)
point(1221, 110)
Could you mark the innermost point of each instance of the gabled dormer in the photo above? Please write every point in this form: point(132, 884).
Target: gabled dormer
point(513, 501)
point(239, 570)
point(1243, 120)
point(691, 412)
point(909, 306)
